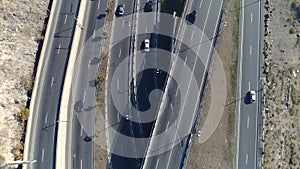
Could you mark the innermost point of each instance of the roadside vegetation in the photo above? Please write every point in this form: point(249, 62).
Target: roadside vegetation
point(100, 154)
point(229, 149)
point(2, 160)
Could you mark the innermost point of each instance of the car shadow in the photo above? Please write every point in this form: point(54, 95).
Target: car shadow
point(189, 19)
point(101, 16)
point(247, 98)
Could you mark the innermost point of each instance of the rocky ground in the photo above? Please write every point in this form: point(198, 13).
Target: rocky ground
point(21, 23)
point(282, 84)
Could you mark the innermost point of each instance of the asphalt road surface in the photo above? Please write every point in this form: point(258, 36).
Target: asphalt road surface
point(207, 21)
point(120, 51)
point(84, 86)
point(45, 130)
point(250, 51)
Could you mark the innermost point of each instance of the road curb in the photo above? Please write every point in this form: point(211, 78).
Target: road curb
point(238, 89)
point(36, 94)
point(64, 115)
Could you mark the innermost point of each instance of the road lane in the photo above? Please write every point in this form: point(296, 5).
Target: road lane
point(207, 21)
point(248, 112)
point(45, 140)
point(84, 87)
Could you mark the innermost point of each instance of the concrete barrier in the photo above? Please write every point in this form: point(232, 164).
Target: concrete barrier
point(65, 122)
point(36, 93)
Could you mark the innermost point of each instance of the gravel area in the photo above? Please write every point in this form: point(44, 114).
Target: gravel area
point(21, 23)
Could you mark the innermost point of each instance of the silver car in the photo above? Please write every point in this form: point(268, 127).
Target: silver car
point(121, 9)
point(252, 96)
point(147, 45)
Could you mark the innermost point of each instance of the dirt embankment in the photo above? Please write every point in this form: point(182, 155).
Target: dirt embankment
point(282, 85)
point(21, 26)
point(218, 151)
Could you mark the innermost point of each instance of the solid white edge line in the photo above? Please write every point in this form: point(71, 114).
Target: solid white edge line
point(240, 83)
point(258, 39)
point(157, 163)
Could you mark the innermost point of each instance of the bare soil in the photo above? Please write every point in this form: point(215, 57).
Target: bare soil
point(218, 151)
point(101, 155)
point(282, 85)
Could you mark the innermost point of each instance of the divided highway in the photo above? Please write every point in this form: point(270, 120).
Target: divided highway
point(250, 33)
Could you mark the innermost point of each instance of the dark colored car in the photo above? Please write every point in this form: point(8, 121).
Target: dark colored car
point(148, 6)
point(192, 17)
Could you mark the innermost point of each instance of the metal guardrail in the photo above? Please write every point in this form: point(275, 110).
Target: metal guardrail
point(202, 93)
point(260, 146)
point(36, 94)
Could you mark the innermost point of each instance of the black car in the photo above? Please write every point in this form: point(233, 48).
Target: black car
point(191, 17)
point(148, 6)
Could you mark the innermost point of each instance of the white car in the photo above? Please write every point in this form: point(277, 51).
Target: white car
point(147, 45)
point(121, 9)
point(252, 96)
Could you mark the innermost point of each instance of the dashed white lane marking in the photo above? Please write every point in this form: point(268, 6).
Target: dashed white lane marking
point(46, 117)
point(248, 122)
point(120, 53)
point(118, 117)
point(250, 50)
point(43, 154)
point(246, 158)
point(94, 34)
point(184, 61)
point(98, 5)
point(123, 23)
point(167, 125)
point(52, 81)
point(89, 64)
point(192, 34)
point(176, 92)
point(251, 17)
point(81, 163)
point(118, 84)
point(84, 94)
point(65, 19)
point(81, 131)
point(58, 48)
point(146, 29)
point(249, 86)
